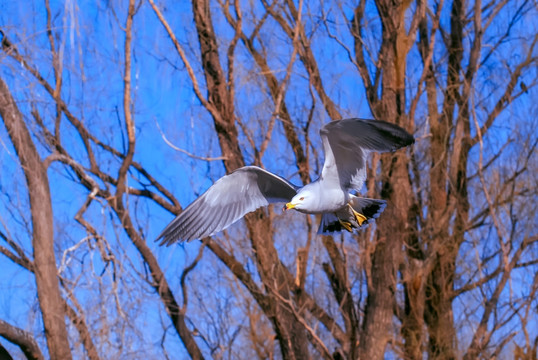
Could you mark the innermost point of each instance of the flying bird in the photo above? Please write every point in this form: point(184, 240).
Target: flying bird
point(346, 144)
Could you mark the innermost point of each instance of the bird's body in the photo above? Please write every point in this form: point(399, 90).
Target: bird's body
point(329, 200)
point(346, 143)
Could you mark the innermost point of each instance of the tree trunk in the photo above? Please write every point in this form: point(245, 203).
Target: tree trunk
point(289, 332)
point(48, 291)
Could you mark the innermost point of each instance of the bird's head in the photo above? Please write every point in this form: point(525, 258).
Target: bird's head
point(301, 201)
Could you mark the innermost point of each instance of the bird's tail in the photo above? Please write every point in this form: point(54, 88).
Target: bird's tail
point(329, 224)
point(370, 208)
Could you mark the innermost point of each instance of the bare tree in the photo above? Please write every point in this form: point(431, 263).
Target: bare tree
point(44, 265)
point(101, 107)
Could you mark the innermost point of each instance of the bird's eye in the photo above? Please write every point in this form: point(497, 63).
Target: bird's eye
point(301, 199)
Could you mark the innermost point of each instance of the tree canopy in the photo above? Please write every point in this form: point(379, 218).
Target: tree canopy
point(117, 115)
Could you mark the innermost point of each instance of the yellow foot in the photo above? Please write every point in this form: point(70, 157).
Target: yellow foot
point(346, 225)
point(359, 217)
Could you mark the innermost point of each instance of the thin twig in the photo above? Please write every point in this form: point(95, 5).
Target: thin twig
point(185, 151)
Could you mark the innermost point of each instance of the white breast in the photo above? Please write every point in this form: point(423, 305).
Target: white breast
point(330, 198)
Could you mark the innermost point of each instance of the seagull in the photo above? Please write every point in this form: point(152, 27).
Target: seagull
point(346, 144)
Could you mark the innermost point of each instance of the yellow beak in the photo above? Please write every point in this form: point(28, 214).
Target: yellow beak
point(289, 206)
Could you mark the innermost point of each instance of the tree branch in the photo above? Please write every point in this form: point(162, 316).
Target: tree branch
point(37, 182)
point(22, 339)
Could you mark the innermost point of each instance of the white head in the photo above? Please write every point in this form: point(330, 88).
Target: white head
point(303, 201)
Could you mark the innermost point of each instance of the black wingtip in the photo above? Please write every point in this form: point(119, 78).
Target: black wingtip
point(409, 140)
point(163, 241)
point(167, 237)
point(399, 135)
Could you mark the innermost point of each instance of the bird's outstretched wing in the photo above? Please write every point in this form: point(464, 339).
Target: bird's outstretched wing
point(228, 200)
point(347, 143)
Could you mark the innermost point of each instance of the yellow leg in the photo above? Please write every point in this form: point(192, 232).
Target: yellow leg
point(346, 225)
point(359, 217)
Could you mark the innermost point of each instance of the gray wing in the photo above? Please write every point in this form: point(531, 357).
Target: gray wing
point(347, 143)
point(228, 200)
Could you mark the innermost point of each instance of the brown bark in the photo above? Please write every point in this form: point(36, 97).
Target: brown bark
point(127, 103)
point(217, 93)
point(77, 318)
point(79, 321)
point(410, 264)
point(440, 282)
point(273, 86)
point(291, 335)
point(338, 278)
point(45, 271)
point(396, 227)
point(22, 339)
point(160, 284)
point(306, 55)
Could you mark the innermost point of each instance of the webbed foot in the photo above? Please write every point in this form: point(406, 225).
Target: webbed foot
point(359, 217)
point(346, 225)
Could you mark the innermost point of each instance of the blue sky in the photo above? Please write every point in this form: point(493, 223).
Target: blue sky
point(91, 41)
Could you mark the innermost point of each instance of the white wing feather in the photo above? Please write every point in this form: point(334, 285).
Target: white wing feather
point(347, 144)
point(227, 201)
